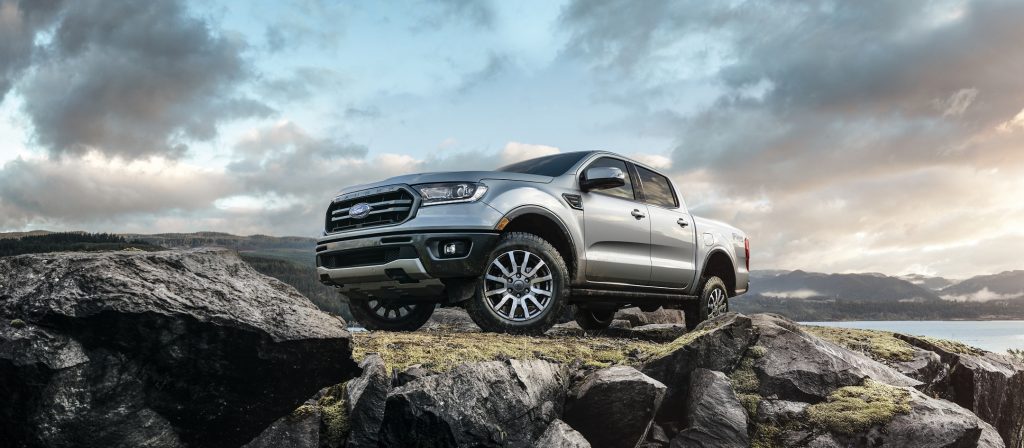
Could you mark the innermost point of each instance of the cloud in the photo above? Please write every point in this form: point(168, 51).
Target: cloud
point(19, 23)
point(797, 294)
point(515, 152)
point(858, 136)
point(72, 191)
point(984, 295)
point(134, 79)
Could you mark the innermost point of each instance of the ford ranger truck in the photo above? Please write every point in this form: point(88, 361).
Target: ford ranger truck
point(518, 246)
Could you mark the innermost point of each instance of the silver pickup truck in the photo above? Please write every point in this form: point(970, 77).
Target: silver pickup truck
point(519, 245)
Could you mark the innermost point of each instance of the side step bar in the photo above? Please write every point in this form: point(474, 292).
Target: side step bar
point(627, 297)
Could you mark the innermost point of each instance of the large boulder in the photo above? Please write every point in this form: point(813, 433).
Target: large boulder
point(875, 414)
point(364, 402)
point(486, 404)
point(300, 429)
point(989, 384)
point(717, 344)
point(561, 435)
point(614, 407)
point(715, 417)
point(796, 365)
point(156, 348)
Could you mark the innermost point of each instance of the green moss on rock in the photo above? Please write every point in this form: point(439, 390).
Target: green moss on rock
point(879, 345)
point(853, 409)
point(663, 350)
point(442, 351)
point(952, 346)
point(18, 323)
point(334, 415)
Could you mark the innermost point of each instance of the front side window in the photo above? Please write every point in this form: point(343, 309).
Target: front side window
point(657, 188)
point(625, 191)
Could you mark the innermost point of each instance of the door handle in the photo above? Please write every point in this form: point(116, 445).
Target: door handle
point(682, 222)
point(636, 214)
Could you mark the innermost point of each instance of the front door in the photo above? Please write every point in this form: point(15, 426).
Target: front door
point(617, 231)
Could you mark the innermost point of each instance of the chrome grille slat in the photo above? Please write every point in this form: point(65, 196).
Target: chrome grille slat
point(389, 205)
point(375, 212)
point(376, 204)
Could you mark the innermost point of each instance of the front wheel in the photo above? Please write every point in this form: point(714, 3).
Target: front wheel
point(713, 302)
point(524, 287)
point(388, 315)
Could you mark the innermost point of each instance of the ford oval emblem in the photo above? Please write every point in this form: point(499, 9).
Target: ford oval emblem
point(359, 211)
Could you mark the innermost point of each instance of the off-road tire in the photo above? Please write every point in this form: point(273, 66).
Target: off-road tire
point(698, 312)
point(594, 320)
point(364, 314)
point(489, 320)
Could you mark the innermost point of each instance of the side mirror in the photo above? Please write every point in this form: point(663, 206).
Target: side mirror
point(601, 178)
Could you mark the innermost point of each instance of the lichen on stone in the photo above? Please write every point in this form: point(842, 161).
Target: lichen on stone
point(745, 382)
point(441, 351)
point(302, 411)
point(334, 415)
point(952, 346)
point(18, 323)
point(853, 409)
point(663, 350)
point(879, 345)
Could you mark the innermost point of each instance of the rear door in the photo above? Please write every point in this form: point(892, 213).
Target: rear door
point(616, 230)
point(673, 238)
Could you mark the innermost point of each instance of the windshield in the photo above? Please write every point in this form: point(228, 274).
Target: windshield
point(553, 165)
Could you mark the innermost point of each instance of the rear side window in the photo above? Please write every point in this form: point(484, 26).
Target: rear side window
point(625, 191)
point(657, 188)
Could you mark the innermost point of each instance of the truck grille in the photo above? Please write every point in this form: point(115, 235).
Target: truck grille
point(388, 205)
point(370, 256)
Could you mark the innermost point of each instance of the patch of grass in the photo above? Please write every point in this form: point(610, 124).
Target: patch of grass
point(303, 411)
point(879, 345)
point(18, 323)
point(952, 346)
point(853, 409)
point(334, 415)
point(441, 351)
point(766, 435)
point(745, 382)
point(663, 350)
point(1016, 354)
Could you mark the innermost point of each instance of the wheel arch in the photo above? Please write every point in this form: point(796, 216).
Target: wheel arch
point(547, 225)
point(719, 264)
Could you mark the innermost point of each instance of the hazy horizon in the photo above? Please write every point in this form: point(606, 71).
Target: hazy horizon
point(841, 136)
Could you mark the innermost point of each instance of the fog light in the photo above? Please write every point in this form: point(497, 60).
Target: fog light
point(453, 249)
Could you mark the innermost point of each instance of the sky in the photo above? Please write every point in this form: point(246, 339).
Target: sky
point(867, 136)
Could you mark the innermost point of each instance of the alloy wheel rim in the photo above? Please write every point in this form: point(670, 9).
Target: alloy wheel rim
point(518, 285)
point(388, 310)
point(718, 303)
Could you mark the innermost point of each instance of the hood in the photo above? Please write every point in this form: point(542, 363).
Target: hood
point(450, 176)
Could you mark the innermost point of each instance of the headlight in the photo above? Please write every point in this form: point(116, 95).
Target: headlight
point(449, 192)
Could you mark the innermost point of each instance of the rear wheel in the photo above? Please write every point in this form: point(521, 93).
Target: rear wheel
point(594, 319)
point(524, 287)
point(389, 315)
point(713, 302)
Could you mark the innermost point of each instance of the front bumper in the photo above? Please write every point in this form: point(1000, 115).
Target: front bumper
point(402, 265)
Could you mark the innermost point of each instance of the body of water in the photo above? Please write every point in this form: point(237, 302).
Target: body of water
point(992, 335)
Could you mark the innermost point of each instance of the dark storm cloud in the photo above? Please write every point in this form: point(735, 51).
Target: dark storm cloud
point(134, 79)
point(915, 75)
point(848, 135)
point(20, 20)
